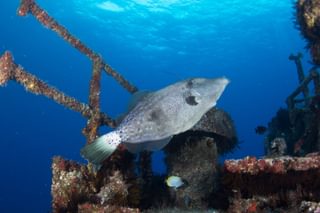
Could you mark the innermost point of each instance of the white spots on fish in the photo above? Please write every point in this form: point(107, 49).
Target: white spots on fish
point(114, 138)
point(157, 117)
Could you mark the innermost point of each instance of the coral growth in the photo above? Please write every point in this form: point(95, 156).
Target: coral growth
point(281, 165)
point(278, 147)
point(308, 19)
point(283, 183)
point(271, 204)
point(115, 191)
point(251, 176)
point(74, 185)
point(96, 208)
point(298, 127)
point(6, 67)
point(309, 207)
point(71, 184)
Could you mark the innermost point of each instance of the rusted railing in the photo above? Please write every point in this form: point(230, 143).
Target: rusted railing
point(304, 82)
point(9, 70)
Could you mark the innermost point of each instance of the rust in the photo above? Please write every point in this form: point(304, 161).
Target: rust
point(94, 101)
point(6, 67)
point(281, 165)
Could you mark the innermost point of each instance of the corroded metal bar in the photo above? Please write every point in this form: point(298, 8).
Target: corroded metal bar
point(122, 81)
point(11, 71)
point(313, 76)
point(260, 177)
point(301, 76)
point(30, 6)
point(300, 88)
point(94, 101)
point(281, 165)
point(6, 68)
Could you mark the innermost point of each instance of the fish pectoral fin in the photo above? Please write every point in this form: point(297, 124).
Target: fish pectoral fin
point(148, 145)
point(135, 99)
point(157, 145)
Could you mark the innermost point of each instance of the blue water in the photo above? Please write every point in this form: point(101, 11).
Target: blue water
point(152, 43)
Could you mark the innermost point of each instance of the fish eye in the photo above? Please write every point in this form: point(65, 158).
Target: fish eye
point(191, 100)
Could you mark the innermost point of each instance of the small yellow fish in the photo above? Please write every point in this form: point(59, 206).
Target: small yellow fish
point(174, 182)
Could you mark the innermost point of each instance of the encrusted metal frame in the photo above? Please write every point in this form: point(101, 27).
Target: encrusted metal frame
point(9, 70)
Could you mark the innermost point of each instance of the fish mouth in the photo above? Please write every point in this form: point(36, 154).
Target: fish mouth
point(219, 85)
point(223, 81)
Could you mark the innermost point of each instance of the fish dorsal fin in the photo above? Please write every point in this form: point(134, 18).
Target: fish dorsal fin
point(134, 100)
point(148, 145)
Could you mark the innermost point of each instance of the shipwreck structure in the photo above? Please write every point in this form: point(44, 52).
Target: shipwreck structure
point(116, 187)
point(286, 180)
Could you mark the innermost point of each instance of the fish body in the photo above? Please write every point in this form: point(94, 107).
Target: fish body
point(174, 182)
point(158, 116)
point(260, 130)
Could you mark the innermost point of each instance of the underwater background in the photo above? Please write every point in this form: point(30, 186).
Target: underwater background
point(153, 44)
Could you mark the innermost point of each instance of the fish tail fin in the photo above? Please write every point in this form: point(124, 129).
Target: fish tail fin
point(100, 149)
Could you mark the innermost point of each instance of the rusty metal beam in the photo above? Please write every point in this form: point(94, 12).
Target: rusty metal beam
point(11, 71)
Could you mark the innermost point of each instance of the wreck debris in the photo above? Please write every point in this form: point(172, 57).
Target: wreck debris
point(218, 124)
point(195, 161)
point(299, 124)
point(282, 182)
point(115, 191)
point(193, 157)
point(94, 101)
point(281, 165)
point(313, 76)
point(77, 186)
point(145, 178)
point(278, 147)
point(309, 207)
point(71, 184)
point(301, 77)
point(90, 208)
point(271, 204)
